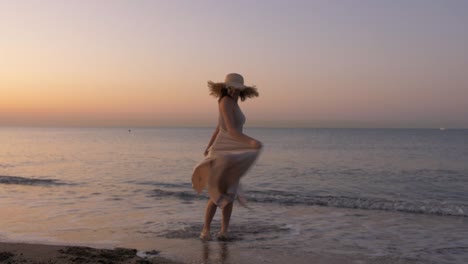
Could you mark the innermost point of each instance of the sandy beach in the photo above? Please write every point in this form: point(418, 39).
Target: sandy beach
point(16, 253)
point(12, 253)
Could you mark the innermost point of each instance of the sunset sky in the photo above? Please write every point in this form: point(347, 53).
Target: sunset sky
point(374, 63)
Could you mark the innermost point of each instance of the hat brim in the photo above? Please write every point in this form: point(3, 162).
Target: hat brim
point(247, 91)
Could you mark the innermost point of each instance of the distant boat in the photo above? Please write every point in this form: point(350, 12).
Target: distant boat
point(442, 128)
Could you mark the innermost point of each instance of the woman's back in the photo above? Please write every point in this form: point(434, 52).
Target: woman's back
point(238, 117)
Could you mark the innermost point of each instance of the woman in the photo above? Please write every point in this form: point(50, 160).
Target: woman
point(229, 154)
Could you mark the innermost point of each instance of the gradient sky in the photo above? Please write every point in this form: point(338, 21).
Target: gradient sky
point(394, 63)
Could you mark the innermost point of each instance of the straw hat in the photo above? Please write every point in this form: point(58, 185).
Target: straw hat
point(234, 81)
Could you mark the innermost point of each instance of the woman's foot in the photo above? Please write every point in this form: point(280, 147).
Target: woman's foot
point(205, 236)
point(222, 236)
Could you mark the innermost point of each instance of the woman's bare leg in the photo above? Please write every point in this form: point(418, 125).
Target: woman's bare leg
point(209, 214)
point(227, 211)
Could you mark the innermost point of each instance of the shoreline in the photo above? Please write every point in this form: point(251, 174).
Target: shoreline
point(24, 253)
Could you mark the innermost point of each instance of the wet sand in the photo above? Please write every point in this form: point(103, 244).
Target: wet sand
point(15, 253)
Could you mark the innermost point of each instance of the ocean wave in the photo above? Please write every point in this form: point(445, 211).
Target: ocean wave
point(29, 181)
point(161, 184)
point(366, 203)
point(184, 195)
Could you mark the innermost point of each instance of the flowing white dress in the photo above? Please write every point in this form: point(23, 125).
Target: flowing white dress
point(227, 161)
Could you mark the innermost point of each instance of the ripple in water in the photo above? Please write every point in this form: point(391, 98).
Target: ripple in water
point(237, 231)
point(29, 181)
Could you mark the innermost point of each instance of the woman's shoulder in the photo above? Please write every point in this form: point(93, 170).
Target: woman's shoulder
point(227, 105)
point(226, 101)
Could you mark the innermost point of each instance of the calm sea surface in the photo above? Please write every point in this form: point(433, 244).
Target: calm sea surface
point(384, 193)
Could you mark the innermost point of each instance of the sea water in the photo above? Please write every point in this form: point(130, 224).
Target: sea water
point(399, 194)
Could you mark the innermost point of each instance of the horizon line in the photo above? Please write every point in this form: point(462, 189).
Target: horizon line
point(247, 127)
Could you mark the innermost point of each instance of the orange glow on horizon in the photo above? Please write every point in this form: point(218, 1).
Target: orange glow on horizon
point(86, 62)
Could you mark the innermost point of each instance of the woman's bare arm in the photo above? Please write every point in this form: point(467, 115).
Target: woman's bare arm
point(213, 137)
point(227, 110)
